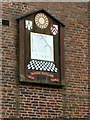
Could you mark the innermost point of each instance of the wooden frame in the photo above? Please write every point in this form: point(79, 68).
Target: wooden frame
point(25, 75)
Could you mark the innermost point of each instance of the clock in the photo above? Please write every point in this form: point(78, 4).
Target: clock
point(42, 47)
point(41, 20)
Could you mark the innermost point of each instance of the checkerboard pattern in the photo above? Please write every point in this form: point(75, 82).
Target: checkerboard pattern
point(42, 66)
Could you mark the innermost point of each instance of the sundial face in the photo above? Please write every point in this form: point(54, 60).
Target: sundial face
point(42, 47)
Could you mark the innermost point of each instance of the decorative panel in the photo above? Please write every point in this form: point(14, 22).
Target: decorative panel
point(41, 52)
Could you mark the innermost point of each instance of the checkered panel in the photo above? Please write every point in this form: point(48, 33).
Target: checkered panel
point(42, 66)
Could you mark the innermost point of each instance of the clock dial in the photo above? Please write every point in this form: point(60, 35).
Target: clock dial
point(42, 47)
point(41, 20)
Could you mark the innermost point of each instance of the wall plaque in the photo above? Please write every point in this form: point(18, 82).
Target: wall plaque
point(41, 49)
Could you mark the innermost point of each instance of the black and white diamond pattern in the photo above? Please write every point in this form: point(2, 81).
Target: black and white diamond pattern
point(42, 66)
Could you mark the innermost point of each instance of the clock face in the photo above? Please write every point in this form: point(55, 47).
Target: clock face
point(41, 20)
point(42, 47)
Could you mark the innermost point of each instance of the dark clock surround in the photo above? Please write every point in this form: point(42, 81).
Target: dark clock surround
point(42, 77)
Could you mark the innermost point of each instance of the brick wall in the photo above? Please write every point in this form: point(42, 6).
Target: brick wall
point(27, 101)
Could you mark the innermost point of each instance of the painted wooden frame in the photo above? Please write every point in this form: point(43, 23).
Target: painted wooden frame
point(34, 76)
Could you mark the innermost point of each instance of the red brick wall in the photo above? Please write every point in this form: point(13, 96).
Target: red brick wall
point(26, 101)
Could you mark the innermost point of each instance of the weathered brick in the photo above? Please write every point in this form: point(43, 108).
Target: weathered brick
point(28, 101)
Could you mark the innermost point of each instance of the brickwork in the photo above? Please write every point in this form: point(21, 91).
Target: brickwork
point(28, 101)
